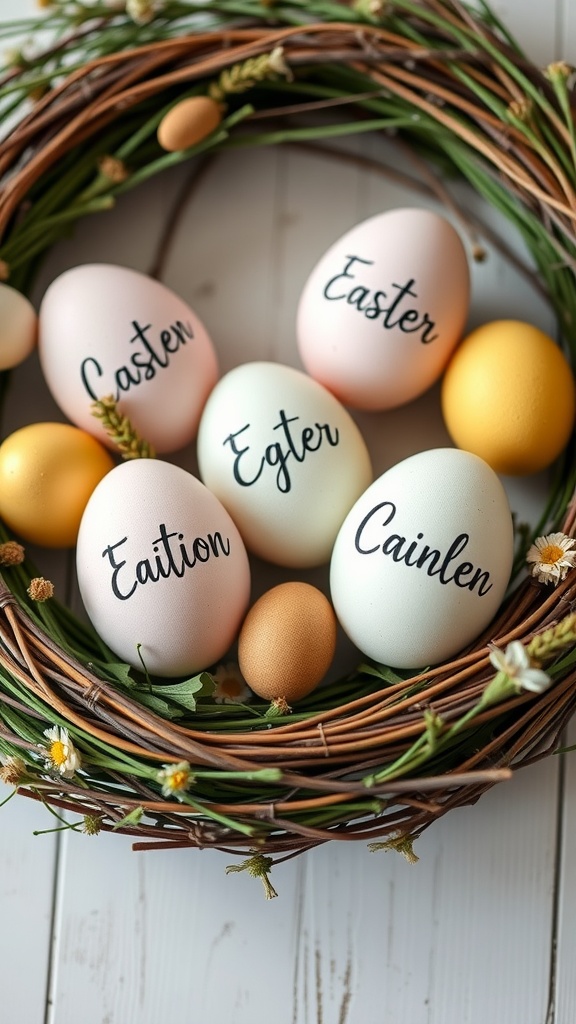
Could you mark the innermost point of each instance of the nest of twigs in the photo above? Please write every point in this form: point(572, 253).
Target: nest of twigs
point(373, 756)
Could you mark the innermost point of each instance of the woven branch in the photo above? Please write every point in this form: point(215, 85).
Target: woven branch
point(332, 772)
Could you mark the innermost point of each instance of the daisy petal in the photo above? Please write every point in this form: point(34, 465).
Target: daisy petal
point(534, 679)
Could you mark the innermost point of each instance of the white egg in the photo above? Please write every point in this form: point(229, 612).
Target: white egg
point(161, 568)
point(285, 458)
point(423, 559)
point(383, 309)
point(109, 330)
point(18, 327)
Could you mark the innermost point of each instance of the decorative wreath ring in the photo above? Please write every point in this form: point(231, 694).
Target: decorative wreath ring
point(375, 756)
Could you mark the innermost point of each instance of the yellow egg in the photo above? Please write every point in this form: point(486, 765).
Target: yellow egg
point(47, 474)
point(508, 396)
point(188, 122)
point(287, 641)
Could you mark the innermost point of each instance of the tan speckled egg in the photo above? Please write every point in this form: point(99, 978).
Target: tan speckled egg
point(188, 122)
point(287, 641)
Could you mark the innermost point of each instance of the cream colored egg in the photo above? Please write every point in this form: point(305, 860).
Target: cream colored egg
point(287, 641)
point(162, 570)
point(48, 472)
point(188, 122)
point(18, 327)
point(423, 559)
point(285, 458)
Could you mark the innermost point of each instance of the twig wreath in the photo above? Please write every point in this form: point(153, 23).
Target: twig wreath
point(378, 755)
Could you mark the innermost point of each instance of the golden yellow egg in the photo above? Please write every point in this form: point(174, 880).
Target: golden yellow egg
point(47, 474)
point(287, 641)
point(188, 122)
point(508, 396)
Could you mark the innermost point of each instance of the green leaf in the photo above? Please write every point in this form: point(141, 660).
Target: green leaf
point(185, 693)
point(131, 820)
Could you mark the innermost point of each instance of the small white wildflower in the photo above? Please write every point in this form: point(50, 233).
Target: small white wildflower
point(516, 664)
point(143, 12)
point(175, 778)
point(61, 755)
point(230, 687)
point(551, 557)
point(277, 64)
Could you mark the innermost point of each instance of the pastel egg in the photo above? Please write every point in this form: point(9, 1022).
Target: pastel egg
point(285, 458)
point(383, 309)
point(188, 122)
point(47, 473)
point(109, 330)
point(162, 570)
point(18, 327)
point(287, 641)
point(423, 559)
point(508, 395)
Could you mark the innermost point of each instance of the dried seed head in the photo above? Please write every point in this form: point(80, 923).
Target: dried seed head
point(11, 553)
point(40, 589)
point(13, 771)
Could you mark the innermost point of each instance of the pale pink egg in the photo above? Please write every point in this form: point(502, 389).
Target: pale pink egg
point(383, 309)
point(109, 330)
point(162, 569)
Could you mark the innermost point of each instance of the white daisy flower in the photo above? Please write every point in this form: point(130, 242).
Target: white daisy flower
point(231, 687)
point(61, 755)
point(175, 778)
point(551, 557)
point(515, 663)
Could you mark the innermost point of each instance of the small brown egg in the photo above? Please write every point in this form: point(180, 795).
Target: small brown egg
point(287, 641)
point(188, 122)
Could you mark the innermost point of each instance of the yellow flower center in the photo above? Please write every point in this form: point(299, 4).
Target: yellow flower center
point(58, 753)
point(551, 554)
point(231, 687)
point(178, 780)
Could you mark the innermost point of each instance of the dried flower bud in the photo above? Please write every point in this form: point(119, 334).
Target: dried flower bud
point(92, 824)
point(13, 771)
point(282, 706)
point(521, 110)
point(559, 71)
point(374, 9)
point(113, 169)
point(143, 12)
point(4, 270)
point(40, 589)
point(11, 553)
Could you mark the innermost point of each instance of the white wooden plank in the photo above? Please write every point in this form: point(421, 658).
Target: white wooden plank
point(354, 937)
point(565, 975)
point(223, 255)
point(535, 26)
point(27, 870)
point(566, 35)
